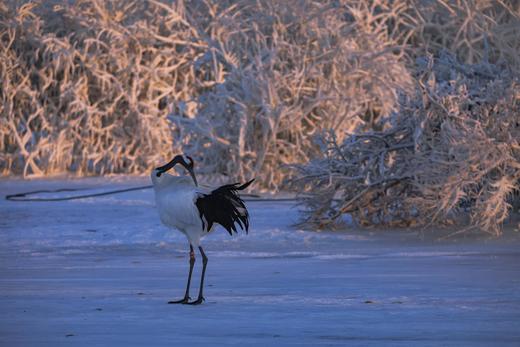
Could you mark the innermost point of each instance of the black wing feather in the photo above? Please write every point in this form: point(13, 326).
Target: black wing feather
point(225, 207)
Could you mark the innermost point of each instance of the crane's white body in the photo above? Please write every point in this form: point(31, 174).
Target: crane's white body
point(175, 198)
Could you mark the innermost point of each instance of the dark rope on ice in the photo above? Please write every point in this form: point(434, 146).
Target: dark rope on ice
point(24, 196)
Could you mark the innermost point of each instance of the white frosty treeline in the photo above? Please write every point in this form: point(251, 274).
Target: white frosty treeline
point(96, 87)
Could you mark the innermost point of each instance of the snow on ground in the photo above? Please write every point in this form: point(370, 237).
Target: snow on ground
point(99, 271)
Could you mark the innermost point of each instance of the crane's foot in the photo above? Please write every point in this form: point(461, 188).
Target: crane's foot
point(198, 301)
point(185, 300)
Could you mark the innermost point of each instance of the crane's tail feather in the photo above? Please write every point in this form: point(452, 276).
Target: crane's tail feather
point(245, 185)
point(225, 207)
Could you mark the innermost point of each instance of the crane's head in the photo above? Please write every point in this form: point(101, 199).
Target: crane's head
point(184, 160)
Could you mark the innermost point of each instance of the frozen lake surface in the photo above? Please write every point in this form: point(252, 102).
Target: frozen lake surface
point(99, 272)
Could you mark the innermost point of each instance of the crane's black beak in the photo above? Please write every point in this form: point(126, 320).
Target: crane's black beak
point(190, 170)
point(179, 159)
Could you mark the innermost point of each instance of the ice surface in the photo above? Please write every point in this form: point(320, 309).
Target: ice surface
point(99, 271)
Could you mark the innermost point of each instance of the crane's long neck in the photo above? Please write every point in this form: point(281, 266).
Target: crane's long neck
point(169, 182)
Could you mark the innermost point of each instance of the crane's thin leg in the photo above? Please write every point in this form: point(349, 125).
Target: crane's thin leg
point(187, 295)
point(200, 299)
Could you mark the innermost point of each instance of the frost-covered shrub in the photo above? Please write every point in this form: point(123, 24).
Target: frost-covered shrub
point(286, 73)
point(472, 30)
point(85, 84)
point(452, 147)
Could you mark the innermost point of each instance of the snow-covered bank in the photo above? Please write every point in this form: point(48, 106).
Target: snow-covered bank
point(99, 271)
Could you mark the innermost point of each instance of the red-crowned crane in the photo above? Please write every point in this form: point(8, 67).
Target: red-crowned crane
point(192, 210)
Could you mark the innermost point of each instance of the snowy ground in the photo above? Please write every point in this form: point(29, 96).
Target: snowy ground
point(99, 271)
